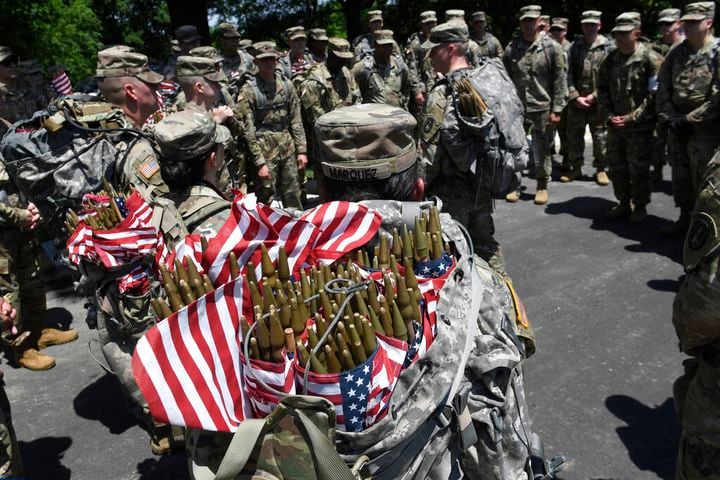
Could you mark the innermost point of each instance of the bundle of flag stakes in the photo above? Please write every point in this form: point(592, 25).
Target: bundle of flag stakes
point(191, 367)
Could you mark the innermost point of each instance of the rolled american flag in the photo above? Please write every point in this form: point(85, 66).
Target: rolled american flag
point(61, 84)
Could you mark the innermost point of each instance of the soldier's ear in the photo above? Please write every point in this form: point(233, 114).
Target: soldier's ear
point(418, 192)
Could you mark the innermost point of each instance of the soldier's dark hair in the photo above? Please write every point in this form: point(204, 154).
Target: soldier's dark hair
point(183, 174)
point(397, 187)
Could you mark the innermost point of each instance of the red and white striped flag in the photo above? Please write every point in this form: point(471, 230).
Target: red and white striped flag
point(188, 367)
point(61, 84)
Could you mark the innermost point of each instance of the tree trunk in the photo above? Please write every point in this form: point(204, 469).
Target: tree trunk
point(190, 13)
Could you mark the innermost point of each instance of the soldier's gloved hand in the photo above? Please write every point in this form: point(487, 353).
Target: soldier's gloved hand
point(302, 161)
point(33, 218)
point(264, 173)
point(680, 126)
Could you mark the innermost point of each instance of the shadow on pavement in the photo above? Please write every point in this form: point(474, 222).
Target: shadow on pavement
point(651, 436)
point(646, 234)
point(105, 402)
point(666, 285)
point(42, 458)
point(171, 466)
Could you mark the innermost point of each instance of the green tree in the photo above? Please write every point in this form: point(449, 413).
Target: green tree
point(54, 32)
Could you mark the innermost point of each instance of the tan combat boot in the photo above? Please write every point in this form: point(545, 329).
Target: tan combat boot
point(619, 210)
point(52, 336)
point(512, 197)
point(638, 215)
point(541, 195)
point(30, 358)
point(601, 178)
point(572, 175)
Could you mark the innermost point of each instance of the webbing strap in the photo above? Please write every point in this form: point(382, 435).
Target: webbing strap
point(240, 448)
point(330, 465)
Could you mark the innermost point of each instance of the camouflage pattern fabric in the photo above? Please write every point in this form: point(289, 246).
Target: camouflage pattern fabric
point(137, 167)
point(697, 324)
point(489, 45)
point(543, 139)
point(687, 87)
point(422, 78)
point(578, 118)
point(293, 68)
point(388, 84)
point(20, 103)
point(11, 465)
point(203, 209)
point(626, 87)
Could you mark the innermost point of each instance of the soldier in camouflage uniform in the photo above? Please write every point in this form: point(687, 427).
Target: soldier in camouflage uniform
point(558, 31)
point(235, 62)
point(296, 62)
point(363, 44)
point(383, 77)
point(445, 149)
point(687, 99)
point(20, 275)
point(536, 65)
point(586, 54)
point(474, 51)
point(489, 45)
point(626, 85)
point(671, 35)
point(327, 86)
point(188, 38)
point(697, 324)
point(317, 44)
point(274, 131)
point(422, 75)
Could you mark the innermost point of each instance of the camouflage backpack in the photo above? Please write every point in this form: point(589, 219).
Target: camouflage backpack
point(54, 158)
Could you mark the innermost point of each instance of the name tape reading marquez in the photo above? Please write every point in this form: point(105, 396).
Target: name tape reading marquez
point(377, 172)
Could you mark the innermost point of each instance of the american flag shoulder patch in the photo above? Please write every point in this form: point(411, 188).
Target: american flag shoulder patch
point(149, 167)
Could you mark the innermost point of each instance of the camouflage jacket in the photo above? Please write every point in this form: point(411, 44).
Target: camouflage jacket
point(272, 119)
point(137, 166)
point(204, 210)
point(20, 103)
point(489, 44)
point(583, 64)
point(538, 71)
point(322, 92)
point(388, 84)
point(626, 85)
point(237, 66)
point(363, 46)
point(688, 85)
point(422, 74)
point(696, 310)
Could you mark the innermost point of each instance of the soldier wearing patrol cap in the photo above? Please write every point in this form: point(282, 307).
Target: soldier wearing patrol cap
point(383, 77)
point(363, 44)
point(422, 76)
point(235, 62)
point(489, 45)
point(474, 52)
point(296, 61)
point(20, 100)
point(125, 80)
point(188, 38)
point(585, 56)
point(317, 44)
point(326, 87)
point(626, 84)
point(558, 32)
point(273, 130)
point(688, 85)
point(536, 65)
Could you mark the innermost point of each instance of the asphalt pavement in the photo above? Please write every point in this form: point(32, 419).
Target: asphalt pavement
point(598, 293)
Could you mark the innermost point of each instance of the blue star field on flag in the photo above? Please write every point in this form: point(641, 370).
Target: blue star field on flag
point(434, 268)
point(120, 202)
point(355, 390)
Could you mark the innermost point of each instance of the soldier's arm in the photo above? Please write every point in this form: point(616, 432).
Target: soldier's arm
point(245, 105)
point(560, 89)
point(498, 47)
point(663, 97)
point(311, 100)
point(646, 110)
point(11, 217)
point(572, 90)
point(604, 102)
point(406, 87)
point(353, 87)
point(296, 127)
point(709, 109)
point(412, 63)
point(361, 75)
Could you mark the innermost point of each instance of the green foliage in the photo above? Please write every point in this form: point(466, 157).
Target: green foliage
point(63, 32)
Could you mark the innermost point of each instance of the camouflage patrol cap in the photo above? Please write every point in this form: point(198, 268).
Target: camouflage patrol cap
point(195, 66)
point(454, 14)
point(375, 16)
point(265, 50)
point(698, 11)
point(227, 30)
point(294, 33)
point(478, 17)
point(669, 15)
point(366, 142)
point(559, 23)
point(428, 16)
point(318, 35)
point(207, 52)
point(187, 33)
point(530, 11)
point(591, 16)
point(123, 61)
point(245, 43)
point(448, 32)
point(627, 22)
point(340, 48)
point(545, 18)
point(188, 134)
point(6, 52)
point(383, 37)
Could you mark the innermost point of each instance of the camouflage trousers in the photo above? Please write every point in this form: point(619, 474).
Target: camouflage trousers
point(473, 209)
point(688, 158)
point(20, 276)
point(630, 154)
point(284, 185)
point(661, 143)
point(697, 399)
point(543, 137)
point(578, 118)
point(10, 461)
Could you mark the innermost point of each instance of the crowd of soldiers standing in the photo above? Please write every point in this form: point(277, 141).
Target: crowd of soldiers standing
point(644, 103)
